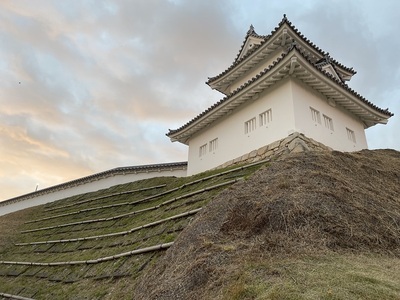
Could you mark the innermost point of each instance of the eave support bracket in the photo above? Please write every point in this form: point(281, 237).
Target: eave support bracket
point(293, 63)
point(331, 102)
point(284, 35)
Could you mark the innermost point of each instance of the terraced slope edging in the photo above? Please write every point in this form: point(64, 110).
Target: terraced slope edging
point(95, 245)
point(310, 226)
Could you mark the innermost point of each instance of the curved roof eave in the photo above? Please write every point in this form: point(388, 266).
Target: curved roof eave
point(203, 120)
point(227, 102)
point(337, 92)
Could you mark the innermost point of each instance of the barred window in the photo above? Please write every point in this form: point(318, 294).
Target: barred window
point(315, 115)
point(265, 117)
point(203, 150)
point(213, 145)
point(328, 122)
point(350, 135)
point(250, 125)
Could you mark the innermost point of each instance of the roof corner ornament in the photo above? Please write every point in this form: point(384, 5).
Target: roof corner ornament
point(328, 58)
point(251, 30)
point(293, 63)
point(284, 19)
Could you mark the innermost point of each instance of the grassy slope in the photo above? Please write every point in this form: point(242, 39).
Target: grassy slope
point(22, 234)
point(317, 276)
point(311, 226)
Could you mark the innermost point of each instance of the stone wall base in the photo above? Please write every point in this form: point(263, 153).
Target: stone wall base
point(294, 143)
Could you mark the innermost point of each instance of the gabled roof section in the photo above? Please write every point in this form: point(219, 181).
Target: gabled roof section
point(297, 64)
point(327, 65)
point(281, 37)
point(252, 40)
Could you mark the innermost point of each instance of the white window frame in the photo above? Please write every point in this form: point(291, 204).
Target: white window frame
point(265, 117)
point(250, 125)
point(315, 115)
point(328, 122)
point(202, 150)
point(351, 135)
point(213, 145)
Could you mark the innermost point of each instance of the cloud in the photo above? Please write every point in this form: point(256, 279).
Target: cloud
point(88, 86)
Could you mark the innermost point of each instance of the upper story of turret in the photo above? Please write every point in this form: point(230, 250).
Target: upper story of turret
point(258, 52)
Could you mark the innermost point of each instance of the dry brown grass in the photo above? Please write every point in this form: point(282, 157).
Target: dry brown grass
point(313, 206)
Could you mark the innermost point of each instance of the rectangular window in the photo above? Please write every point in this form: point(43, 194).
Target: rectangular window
point(250, 125)
point(350, 135)
point(203, 150)
point(213, 145)
point(315, 115)
point(265, 117)
point(328, 122)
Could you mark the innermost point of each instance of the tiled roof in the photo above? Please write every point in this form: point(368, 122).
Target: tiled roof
point(251, 32)
point(285, 20)
point(269, 69)
point(346, 87)
point(227, 98)
point(327, 60)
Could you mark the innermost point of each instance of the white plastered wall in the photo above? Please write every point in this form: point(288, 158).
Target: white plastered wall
point(38, 198)
point(232, 140)
point(290, 102)
point(304, 97)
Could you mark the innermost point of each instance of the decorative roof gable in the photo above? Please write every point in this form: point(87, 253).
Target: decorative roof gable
point(256, 48)
point(327, 65)
point(252, 40)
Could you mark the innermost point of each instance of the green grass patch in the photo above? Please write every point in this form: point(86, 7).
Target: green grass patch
point(329, 276)
point(113, 279)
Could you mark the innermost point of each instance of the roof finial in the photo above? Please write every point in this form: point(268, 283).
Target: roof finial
point(251, 30)
point(284, 19)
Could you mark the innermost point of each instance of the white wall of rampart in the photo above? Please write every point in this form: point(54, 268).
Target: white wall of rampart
point(54, 194)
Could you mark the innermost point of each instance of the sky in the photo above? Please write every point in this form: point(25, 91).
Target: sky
point(91, 85)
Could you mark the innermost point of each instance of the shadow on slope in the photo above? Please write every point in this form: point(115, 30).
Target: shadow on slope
point(310, 226)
